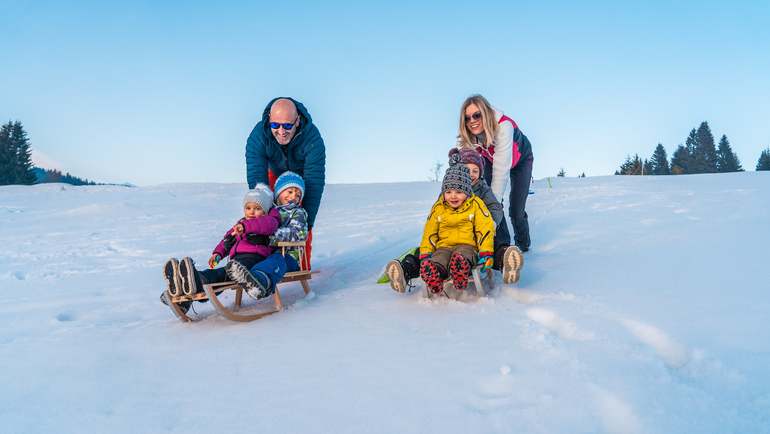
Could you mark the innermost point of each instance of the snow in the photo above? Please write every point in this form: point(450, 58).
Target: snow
point(642, 308)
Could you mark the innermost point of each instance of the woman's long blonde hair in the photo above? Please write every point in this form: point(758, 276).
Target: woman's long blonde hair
point(488, 121)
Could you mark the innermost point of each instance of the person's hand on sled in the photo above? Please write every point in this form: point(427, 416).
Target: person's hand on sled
point(214, 260)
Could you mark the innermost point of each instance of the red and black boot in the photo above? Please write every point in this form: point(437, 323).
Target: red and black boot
point(459, 270)
point(431, 275)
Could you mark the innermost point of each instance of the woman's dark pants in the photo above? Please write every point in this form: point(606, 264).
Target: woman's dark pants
point(521, 177)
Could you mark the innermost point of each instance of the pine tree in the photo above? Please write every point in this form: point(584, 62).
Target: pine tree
point(680, 161)
point(764, 160)
point(705, 155)
point(632, 166)
point(727, 160)
point(22, 170)
point(15, 155)
point(691, 144)
point(659, 161)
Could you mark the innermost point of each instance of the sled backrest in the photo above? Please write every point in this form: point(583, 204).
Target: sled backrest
point(300, 246)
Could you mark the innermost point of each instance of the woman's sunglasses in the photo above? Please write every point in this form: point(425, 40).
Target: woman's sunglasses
point(476, 116)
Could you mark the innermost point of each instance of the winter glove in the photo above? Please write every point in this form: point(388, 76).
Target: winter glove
point(237, 229)
point(485, 261)
point(214, 260)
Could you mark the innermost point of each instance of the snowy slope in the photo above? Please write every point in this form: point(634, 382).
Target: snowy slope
point(642, 308)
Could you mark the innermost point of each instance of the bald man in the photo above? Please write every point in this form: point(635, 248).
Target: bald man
point(286, 139)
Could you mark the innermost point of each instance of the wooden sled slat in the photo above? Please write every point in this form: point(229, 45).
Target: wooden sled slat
point(231, 314)
point(295, 276)
point(218, 288)
point(177, 310)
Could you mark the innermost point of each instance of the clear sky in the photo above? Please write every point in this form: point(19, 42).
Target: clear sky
point(153, 92)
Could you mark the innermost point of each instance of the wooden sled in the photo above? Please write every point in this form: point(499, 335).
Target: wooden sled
point(213, 290)
point(483, 285)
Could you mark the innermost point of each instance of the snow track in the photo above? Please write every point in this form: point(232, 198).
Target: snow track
point(641, 308)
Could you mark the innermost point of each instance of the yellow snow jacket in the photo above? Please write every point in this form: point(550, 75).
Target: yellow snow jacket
point(470, 224)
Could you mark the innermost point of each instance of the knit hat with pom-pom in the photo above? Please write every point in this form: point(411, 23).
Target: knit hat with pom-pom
point(457, 177)
point(261, 195)
point(468, 156)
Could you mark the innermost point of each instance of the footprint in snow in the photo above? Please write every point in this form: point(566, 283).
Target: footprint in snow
point(495, 392)
point(614, 413)
point(65, 317)
point(531, 297)
point(671, 352)
point(561, 327)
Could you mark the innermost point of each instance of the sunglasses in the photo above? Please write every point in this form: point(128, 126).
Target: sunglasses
point(287, 126)
point(476, 116)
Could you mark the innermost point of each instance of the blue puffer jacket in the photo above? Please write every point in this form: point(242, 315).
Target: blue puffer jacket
point(305, 155)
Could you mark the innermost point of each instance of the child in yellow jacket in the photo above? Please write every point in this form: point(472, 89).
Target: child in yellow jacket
point(459, 233)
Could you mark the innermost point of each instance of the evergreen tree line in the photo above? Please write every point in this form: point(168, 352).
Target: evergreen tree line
point(52, 175)
point(697, 155)
point(16, 161)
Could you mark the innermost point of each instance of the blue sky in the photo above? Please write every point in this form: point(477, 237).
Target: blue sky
point(168, 92)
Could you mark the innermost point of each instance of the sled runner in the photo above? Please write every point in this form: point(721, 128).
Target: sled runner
point(213, 290)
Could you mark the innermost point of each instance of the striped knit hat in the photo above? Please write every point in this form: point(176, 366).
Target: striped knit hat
point(289, 179)
point(457, 177)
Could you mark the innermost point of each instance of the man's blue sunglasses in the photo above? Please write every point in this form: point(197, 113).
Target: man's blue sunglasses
point(287, 127)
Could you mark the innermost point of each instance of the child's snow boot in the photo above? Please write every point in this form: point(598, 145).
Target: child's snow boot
point(190, 281)
point(431, 275)
point(459, 269)
point(401, 271)
point(173, 279)
point(396, 275)
point(263, 282)
point(499, 255)
point(411, 266)
point(256, 287)
point(513, 261)
point(239, 274)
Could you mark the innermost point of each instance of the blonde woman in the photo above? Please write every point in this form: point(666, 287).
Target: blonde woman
point(507, 160)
